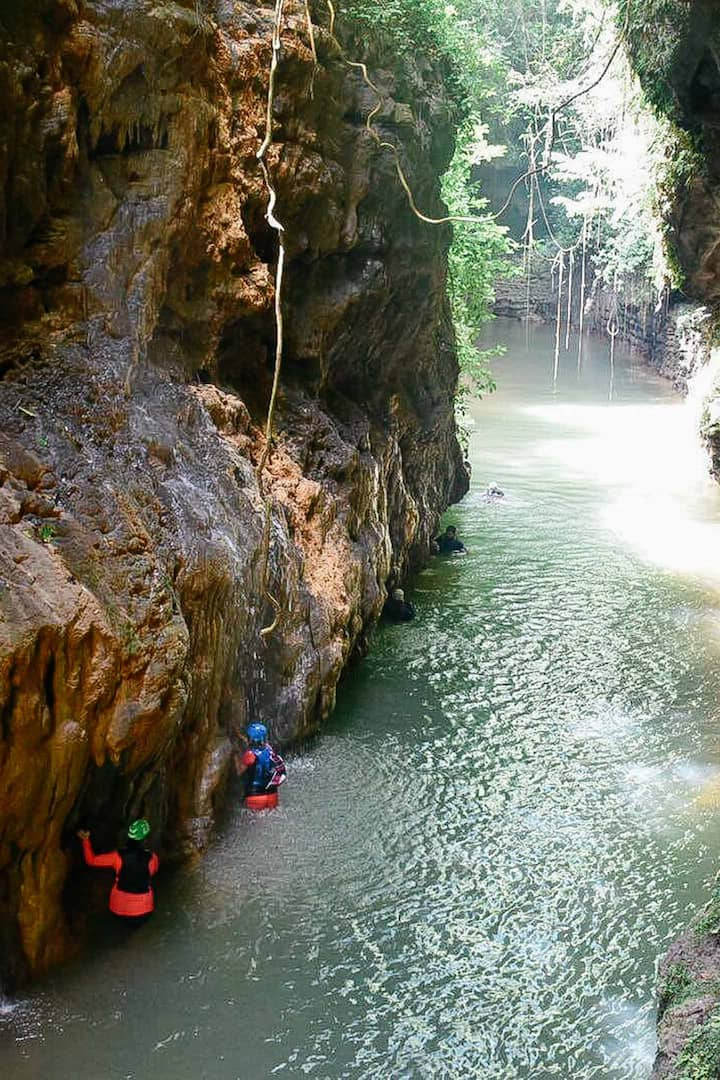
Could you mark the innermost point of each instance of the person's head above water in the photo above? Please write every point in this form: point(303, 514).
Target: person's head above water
point(398, 594)
point(139, 830)
point(257, 733)
point(451, 531)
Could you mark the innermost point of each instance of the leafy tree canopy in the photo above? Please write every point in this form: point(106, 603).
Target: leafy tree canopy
point(548, 82)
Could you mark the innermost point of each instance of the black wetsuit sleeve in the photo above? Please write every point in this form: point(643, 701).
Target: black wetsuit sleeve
point(247, 778)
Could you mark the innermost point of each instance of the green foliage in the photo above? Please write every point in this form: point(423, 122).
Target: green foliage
point(47, 533)
point(654, 33)
point(478, 256)
point(472, 75)
point(439, 31)
point(680, 985)
point(700, 1057)
point(130, 639)
point(681, 165)
point(629, 250)
point(513, 65)
point(709, 921)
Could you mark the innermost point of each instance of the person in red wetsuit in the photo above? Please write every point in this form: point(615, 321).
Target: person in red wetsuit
point(261, 769)
point(131, 897)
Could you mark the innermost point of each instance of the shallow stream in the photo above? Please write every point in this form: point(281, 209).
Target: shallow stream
point(512, 812)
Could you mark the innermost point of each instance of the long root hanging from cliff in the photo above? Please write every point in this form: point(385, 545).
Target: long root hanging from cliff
point(571, 268)
point(384, 145)
point(581, 318)
point(279, 229)
point(266, 631)
point(313, 47)
point(550, 129)
point(275, 224)
point(558, 319)
point(531, 174)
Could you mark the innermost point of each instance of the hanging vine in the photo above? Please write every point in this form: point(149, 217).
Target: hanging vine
point(384, 145)
point(275, 224)
point(550, 130)
point(313, 48)
point(613, 330)
point(569, 302)
point(558, 319)
point(549, 134)
point(581, 318)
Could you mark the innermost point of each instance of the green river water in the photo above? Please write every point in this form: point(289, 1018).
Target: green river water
point(511, 813)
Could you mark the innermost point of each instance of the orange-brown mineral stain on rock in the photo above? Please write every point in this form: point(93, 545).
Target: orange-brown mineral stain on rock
point(137, 273)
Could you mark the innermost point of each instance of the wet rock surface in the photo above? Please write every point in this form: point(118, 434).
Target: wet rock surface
point(688, 1004)
point(136, 272)
point(673, 47)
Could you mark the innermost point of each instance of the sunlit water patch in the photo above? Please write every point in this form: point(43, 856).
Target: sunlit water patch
point(514, 809)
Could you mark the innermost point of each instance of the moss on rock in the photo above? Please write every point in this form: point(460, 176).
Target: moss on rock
point(700, 1058)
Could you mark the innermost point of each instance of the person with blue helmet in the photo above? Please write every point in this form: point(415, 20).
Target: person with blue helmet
point(261, 770)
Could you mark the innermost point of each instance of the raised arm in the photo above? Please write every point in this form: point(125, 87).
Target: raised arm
point(243, 760)
point(109, 860)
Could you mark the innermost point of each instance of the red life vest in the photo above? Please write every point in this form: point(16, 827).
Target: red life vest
point(128, 877)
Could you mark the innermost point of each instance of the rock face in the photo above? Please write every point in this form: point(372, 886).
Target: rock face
point(137, 561)
point(674, 47)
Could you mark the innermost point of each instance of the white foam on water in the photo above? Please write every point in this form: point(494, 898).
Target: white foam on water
point(607, 722)
point(632, 1045)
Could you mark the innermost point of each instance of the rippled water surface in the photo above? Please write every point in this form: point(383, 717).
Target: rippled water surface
point(512, 812)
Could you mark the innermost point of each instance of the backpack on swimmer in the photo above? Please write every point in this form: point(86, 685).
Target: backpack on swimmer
point(270, 770)
point(131, 897)
point(263, 770)
point(134, 876)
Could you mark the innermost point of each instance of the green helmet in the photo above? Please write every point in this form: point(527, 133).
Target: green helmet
point(139, 829)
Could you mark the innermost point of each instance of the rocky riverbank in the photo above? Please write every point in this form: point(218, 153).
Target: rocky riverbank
point(137, 564)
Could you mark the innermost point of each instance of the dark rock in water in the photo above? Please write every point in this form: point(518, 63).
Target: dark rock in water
point(136, 364)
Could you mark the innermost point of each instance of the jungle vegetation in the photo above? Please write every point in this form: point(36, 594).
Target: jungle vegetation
point(545, 86)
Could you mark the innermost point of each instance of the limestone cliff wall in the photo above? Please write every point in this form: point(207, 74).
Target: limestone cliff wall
point(136, 286)
point(674, 47)
point(530, 292)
